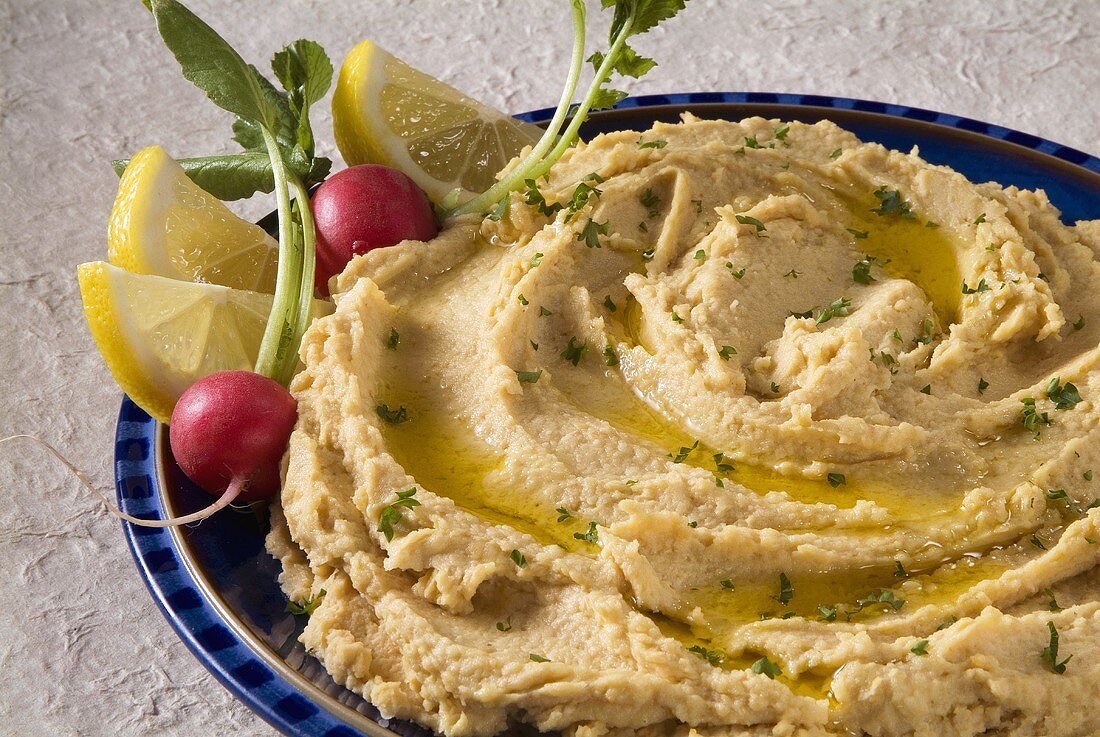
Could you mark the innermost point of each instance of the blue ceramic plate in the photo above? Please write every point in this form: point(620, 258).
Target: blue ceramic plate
point(217, 586)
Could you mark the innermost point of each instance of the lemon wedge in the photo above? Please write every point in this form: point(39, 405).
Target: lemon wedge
point(386, 112)
point(164, 224)
point(159, 335)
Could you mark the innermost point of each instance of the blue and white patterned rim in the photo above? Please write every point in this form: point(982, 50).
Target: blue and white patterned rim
point(1065, 153)
point(277, 693)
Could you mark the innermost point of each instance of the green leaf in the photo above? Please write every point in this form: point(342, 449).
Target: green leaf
point(1064, 396)
point(228, 177)
point(211, 64)
point(307, 607)
point(606, 97)
point(766, 667)
point(305, 72)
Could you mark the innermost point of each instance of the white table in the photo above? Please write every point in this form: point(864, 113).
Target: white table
point(83, 650)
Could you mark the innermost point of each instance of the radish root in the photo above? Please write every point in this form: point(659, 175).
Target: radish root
point(227, 497)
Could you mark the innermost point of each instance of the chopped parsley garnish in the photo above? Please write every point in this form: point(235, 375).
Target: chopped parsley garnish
point(899, 570)
point(609, 357)
point(675, 317)
point(700, 255)
point(648, 254)
point(564, 515)
point(981, 287)
point(927, 330)
point(522, 300)
point(573, 352)
point(393, 339)
point(980, 219)
point(1080, 323)
point(774, 387)
point(518, 558)
point(591, 233)
point(391, 513)
point(828, 613)
point(749, 220)
point(506, 625)
point(926, 389)
point(536, 658)
point(609, 303)
point(537, 259)
point(649, 200)
point(1064, 396)
point(751, 142)
point(1050, 652)
point(886, 596)
point(722, 464)
point(947, 623)
point(528, 377)
point(693, 524)
point(1052, 605)
point(1034, 540)
point(804, 315)
point(651, 144)
point(727, 584)
point(581, 195)
point(714, 657)
point(737, 273)
point(793, 274)
point(308, 606)
point(766, 667)
point(896, 335)
point(858, 233)
point(543, 312)
point(726, 351)
point(392, 416)
point(684, 452)
point(1087, 475)
point(982, 385)
point(498, 212)
point(643, 227)
point(698, 206)
point(891, 203)
point(781, 133)
point(591, 536)
point(837, 308)
point(861, 272)
point(921, 648)
point(534, 345)
point(836, 479)
point(535, 198)
point(1031, 418)
point(836, 153)
point(786, 591)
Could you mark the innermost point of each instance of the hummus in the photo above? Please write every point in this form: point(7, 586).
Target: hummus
point(721, 429)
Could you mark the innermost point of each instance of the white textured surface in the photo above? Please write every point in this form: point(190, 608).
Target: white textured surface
point(83, 650)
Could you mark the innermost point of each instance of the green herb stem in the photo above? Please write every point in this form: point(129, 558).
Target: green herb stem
point(279, 332)
point(514, 179)
point(309, 259)
point(581, 113)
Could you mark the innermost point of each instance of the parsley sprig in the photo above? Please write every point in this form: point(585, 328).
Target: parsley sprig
point(391, 513)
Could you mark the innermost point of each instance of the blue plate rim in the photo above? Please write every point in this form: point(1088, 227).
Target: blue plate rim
point(251, 676)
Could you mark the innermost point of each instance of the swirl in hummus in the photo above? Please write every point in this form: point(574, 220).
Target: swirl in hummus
point(740, 428)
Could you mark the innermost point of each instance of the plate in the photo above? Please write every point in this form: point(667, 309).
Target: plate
point(217, 586)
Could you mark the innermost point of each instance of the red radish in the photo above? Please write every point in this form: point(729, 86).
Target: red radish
point(229, 431)
point(366, 207)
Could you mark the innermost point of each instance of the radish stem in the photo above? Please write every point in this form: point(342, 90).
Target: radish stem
point(227, 497)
